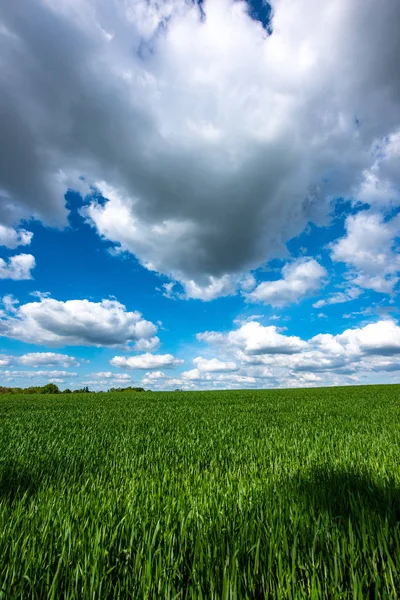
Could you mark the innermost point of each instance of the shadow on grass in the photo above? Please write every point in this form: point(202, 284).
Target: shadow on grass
point(345, 494)
point(18, 480)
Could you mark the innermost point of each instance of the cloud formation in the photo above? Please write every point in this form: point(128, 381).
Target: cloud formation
point(354, 356)
point(300, 278)
point(368, 249)
point(253, 339)
point(212, 142)
point(17, 267)
point(76, 322)
point(40, 359)
point(145, 361)
point(12, 238)
point(53, 376)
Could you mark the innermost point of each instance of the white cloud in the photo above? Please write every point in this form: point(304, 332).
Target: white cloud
point(368, 249)
point(254, 339)
point(155, 376)
point(359, 354)
point(121, 377)
point(9, 303)
point(147, 345)
point(160, 381)
point(17, 267)
point(49, 375)
point(145, 361)
point(168, 290)
point(380, 185)
point(209, 287)
point(215, 143)
point(12, 238)
point(382, 338)
point(339, 297)
point(38, 359)
point(5, 361)
point(300, 278)
point(76, 322)
point(214, 365)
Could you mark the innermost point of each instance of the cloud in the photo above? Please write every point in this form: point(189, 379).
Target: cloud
point(145, 361)
point(213, 365)
point(382, 338)
point(5, 361)
point(368, 249)
point(356, 355)
point(9, 303)
point(76, 322)
point(160, 381)
point(254, 339)
point(380, 184)
point(37, 359)
point(212, 142)
point(339, 298)
point(155, 376)
point(12, 238)
point(17, 267)
point(146, 345)
point(49, 375)
point(300, 278)
point(110, 375)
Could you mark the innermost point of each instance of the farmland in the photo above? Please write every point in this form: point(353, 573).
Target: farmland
point(217, 495)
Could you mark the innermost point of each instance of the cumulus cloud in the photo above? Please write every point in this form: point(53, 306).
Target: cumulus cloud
point(110, 375)
point(37, 359)
point(48, 375)
point(380, 184)
point(12, 238)
point(300, 278)
point(364, 354)
point(382, 338)
point(213, 365)
point(17, 267)
point(145, 361)
point(76, 322)
point(9, 303)
point(5, 361)
point(252, 338)
point(356, 355)
point(146, 345)
point(212, 142)
point(160, 381)
point(368, 249)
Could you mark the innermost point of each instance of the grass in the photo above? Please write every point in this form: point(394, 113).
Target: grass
point(214, 495)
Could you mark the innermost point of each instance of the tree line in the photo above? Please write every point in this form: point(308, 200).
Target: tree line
point(52, 388)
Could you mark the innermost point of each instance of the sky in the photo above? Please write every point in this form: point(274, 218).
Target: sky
point(199, 195)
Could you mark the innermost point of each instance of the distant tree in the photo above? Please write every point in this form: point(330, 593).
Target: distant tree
point(50, 388)
point(67, 391)
point(127, 389)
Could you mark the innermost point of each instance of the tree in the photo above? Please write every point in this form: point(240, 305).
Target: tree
point(50, 388)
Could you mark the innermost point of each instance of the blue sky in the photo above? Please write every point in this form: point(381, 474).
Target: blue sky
point(199, 197)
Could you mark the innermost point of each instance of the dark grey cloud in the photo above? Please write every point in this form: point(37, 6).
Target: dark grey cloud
point(216, 145)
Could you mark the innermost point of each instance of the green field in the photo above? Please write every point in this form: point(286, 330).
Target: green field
point(243, 494)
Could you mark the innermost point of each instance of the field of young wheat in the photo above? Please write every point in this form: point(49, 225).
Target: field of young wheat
point(214, 495)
